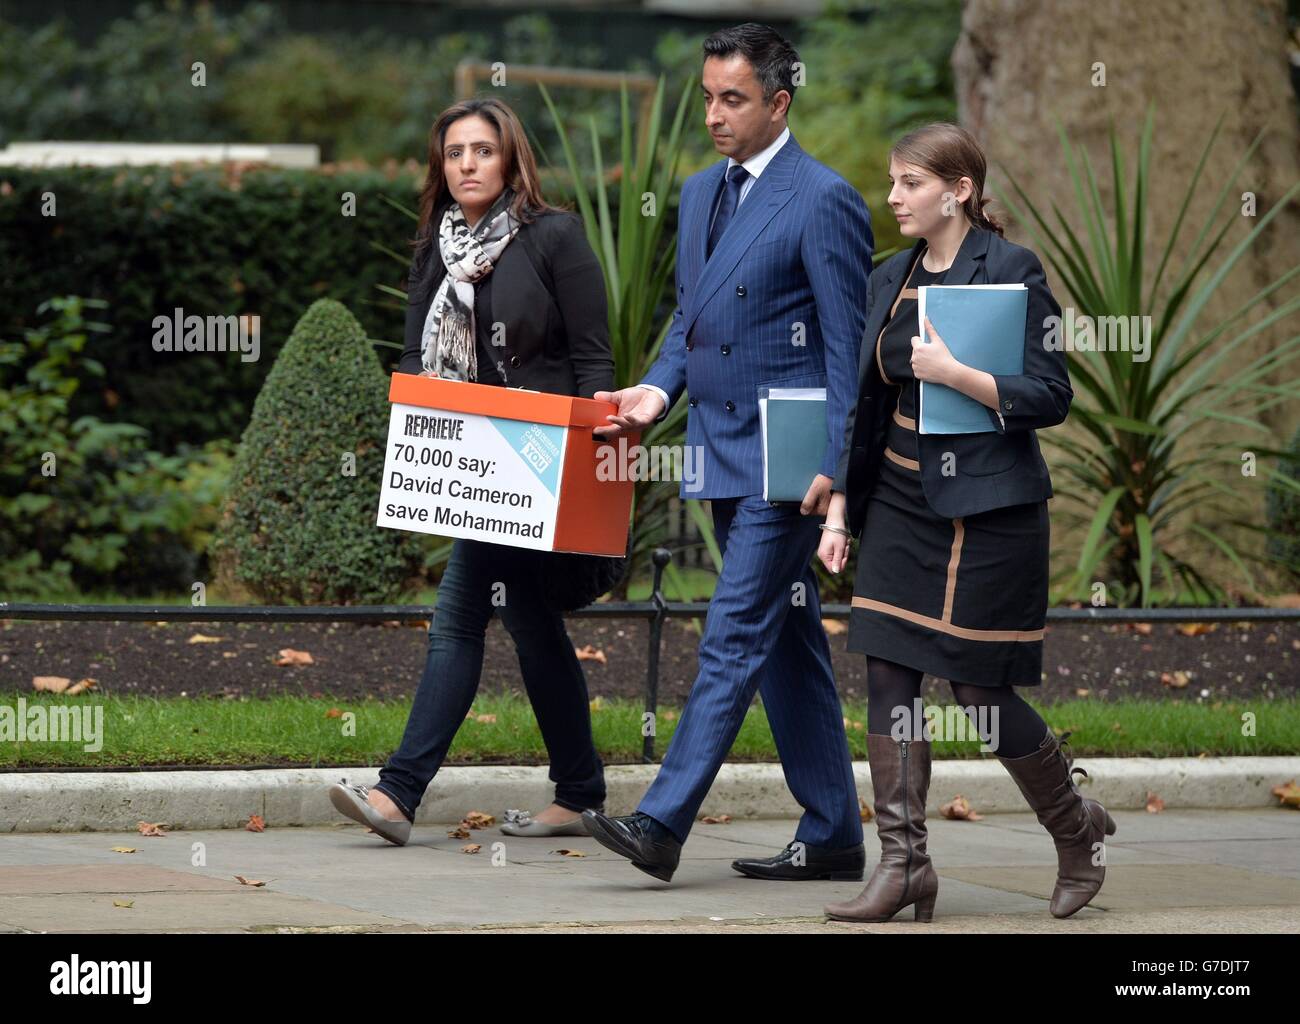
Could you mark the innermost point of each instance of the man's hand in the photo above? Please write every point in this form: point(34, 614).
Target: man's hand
point(818, 498)
point(637, 409)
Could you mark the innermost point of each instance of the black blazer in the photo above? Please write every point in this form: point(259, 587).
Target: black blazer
point(555, 342)
point(992, 470)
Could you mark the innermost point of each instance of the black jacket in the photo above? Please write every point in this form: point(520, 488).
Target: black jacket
point(992, 470)
point(554, 341)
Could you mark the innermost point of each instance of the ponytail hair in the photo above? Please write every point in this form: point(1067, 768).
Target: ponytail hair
point(950, 152)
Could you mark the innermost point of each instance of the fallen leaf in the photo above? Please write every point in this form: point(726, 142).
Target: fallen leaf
point(590, 653)
point(288, 656)
point(720, 819)
point(124, 849)
point(596, 704)
point(459, 832)
point(485, 719)
point(1176, 680)
point(478, 819)
point(1154, 804)
point(147, 829)
point(865, 812)
point(333, 713)
point(959, 809)
point(1196, 628)
point(80, 687)
point(1288, 793)
point(1082, 692)
point(569, 853)
point(124, 904)
point(248, 881)
point(51, 684)
point(200, 638)
point(834, 627)
point(471, 848)
point(1140, 627)
point(255, 823)
point(670, 716)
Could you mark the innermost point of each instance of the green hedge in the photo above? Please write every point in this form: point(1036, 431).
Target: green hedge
point(83, 503)
point(212, 242)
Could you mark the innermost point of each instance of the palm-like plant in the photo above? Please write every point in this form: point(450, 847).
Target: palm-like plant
point(1171, 431)
point(638, 255)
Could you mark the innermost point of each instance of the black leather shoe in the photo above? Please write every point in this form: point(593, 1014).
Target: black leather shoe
point(632, 837)
point(819, 862)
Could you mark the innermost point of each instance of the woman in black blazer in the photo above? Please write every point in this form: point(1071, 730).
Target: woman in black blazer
point(503, 290)
point(952, 573)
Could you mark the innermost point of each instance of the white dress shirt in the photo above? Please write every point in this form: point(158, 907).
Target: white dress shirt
point(755, 165)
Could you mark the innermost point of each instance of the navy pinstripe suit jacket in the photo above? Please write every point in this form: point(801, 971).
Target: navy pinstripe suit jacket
point(781, 302)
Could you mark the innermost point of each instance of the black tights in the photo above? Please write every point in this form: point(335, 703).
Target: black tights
point(1019, 729)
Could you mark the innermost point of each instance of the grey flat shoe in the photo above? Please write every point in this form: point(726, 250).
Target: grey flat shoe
point(520, 823)
point(351, 801)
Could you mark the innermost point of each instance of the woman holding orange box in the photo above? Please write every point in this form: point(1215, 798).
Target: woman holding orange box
point(504, 289)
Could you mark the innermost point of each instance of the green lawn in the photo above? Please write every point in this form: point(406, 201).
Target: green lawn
point(301, 731)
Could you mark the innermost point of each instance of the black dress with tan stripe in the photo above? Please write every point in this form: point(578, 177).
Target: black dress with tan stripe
point(962, 599)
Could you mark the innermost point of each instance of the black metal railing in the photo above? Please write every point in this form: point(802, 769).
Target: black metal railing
point(655, 610)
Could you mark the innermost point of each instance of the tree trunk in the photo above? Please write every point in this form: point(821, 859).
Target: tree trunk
point(1022, 64)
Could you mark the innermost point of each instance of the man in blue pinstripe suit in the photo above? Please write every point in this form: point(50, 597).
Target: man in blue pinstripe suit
point(774, 251)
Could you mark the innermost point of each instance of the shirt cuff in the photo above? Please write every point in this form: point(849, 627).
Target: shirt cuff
point(662, 394)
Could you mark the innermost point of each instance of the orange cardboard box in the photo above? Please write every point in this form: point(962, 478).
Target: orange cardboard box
point(503, 465)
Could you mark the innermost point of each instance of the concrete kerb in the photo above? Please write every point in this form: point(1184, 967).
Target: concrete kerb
point(117, 801)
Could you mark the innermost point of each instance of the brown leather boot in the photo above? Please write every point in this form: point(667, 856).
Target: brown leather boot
point(1077, 824)
point(900, 777)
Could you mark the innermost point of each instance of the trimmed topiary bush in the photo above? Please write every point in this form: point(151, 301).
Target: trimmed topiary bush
point(299, 521)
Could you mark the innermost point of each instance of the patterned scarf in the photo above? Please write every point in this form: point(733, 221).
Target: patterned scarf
point(448, 343)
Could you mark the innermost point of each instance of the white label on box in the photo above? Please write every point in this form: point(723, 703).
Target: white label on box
point(458, 474)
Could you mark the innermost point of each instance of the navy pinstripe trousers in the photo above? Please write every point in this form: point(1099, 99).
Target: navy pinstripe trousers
point(763, 633)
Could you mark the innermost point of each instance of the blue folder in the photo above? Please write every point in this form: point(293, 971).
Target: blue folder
point(984, 327)
point(793, 422)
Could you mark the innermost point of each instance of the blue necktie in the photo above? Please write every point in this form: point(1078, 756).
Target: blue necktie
point(727, 209)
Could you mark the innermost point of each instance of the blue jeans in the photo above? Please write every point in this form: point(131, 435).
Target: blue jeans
point(479, 578)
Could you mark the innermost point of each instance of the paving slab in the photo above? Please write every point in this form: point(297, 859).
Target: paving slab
point(1192, 871)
